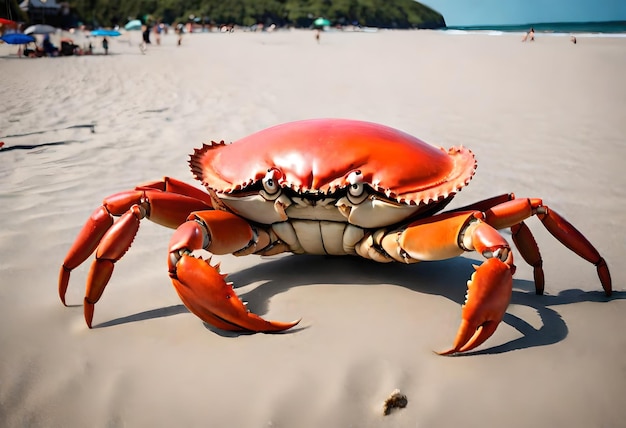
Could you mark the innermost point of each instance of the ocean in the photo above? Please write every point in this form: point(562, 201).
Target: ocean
point(591, 29)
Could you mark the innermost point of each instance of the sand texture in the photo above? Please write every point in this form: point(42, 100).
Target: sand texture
point(545, 119)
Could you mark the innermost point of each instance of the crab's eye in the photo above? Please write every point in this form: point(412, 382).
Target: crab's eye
point(269, 182)
point(356, 189)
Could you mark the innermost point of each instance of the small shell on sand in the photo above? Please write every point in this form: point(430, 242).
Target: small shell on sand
point(395, 400)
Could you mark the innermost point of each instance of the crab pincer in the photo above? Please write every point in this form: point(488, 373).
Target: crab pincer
point(488, 295)
point(201, 286)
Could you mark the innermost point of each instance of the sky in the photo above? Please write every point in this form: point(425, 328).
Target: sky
point(514, 12)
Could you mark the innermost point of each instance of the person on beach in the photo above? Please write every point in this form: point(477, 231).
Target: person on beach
point(105, 46)
point(180, 29)
point(145, 34)
point(317, 35)
point(530, 35)
point(48, 48)
point(157, 33)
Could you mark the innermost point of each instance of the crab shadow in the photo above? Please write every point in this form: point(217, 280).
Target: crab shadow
point(445, 278)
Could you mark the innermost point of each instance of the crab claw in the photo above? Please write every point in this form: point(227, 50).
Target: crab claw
point(205, 293)
point(488, 295)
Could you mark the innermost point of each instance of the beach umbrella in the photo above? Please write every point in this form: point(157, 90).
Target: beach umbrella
point(133, 25)
point(105, 33)
point(40, 29)
point(8, 22)
point(321, 22)
point(17, 39)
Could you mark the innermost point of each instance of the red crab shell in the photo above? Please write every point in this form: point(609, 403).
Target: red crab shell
point(316, 156)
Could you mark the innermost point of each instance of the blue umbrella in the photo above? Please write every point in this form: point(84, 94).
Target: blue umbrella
point(106, 33)
point(17, 38)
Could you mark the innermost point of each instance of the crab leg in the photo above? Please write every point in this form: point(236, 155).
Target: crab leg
point(529, 250)
point(167, 202)
point(485, 204)
point(489, 288)
point(511, 213)
point(201, 286)
point(506, 211)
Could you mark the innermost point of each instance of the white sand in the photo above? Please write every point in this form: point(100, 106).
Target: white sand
point(545, 119)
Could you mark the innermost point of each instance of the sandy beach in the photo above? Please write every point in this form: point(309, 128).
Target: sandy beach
point(545, 119)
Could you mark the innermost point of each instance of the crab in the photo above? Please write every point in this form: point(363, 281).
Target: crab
point(323, 186)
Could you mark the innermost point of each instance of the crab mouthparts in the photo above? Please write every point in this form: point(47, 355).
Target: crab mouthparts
point(345, 210)
point(280, 205)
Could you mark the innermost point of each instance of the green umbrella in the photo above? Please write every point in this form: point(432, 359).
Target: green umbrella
point(321, 22)
point(135, 24)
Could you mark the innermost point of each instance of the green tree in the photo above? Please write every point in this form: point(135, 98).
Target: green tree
point(299, 13)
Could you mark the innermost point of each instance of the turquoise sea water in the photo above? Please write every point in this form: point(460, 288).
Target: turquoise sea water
point(613, 28)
